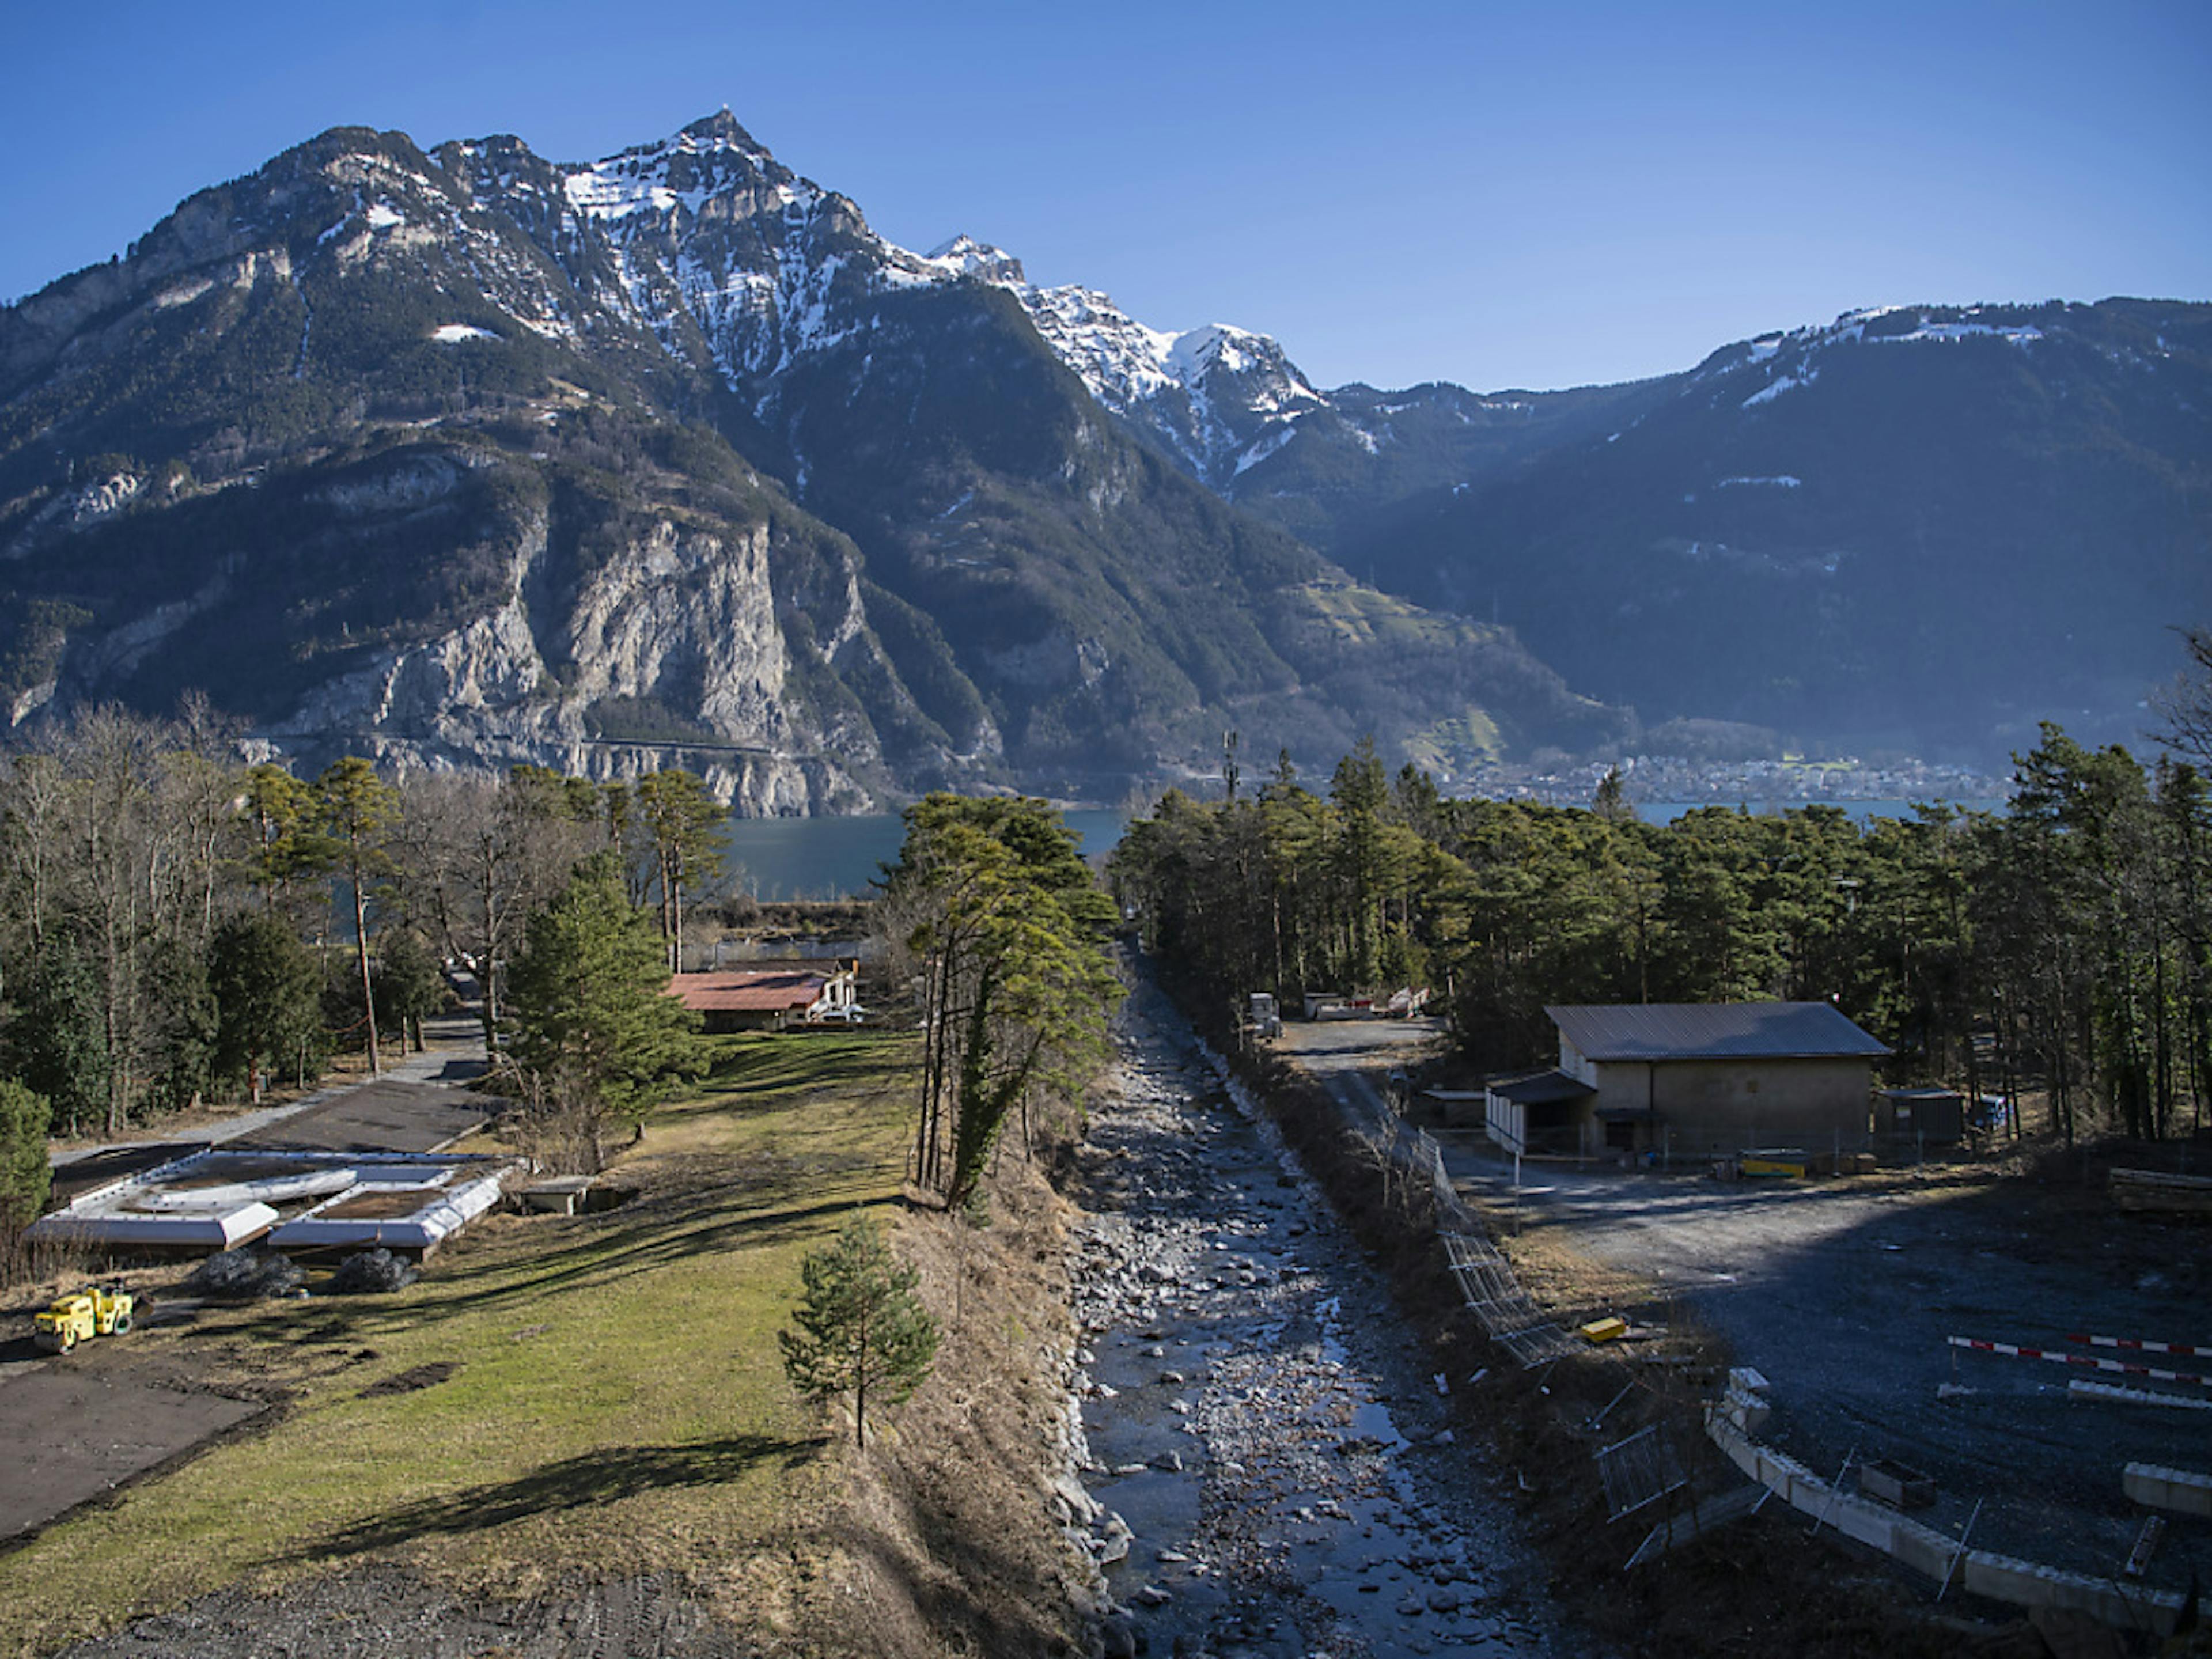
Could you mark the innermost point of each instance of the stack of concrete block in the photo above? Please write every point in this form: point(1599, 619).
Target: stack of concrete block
point(2182, 1492)
point(1744, 1406)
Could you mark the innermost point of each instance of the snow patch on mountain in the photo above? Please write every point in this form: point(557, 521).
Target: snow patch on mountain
point(963, 256)
point(1267, 445)
point(1775, 389)
point(1949, 332)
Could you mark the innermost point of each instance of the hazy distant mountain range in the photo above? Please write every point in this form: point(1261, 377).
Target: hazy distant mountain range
point(473, 457)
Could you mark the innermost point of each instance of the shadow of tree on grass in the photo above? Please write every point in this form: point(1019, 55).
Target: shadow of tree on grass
point(635, 1239)
point(597, 1477)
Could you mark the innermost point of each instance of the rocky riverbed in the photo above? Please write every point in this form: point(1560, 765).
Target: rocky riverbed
point(1267, 1457)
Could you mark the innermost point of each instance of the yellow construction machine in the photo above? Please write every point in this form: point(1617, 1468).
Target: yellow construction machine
point(96, 1310)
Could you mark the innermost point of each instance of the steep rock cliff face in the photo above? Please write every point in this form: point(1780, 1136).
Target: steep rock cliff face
point(456, 605)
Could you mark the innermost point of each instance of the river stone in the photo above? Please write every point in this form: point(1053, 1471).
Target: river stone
point(1069, 1491)
point(1114, 1544)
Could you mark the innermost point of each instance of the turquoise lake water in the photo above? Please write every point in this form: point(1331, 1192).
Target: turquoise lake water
point(833, 858)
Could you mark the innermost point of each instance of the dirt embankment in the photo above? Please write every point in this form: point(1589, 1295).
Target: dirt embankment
point(949, 1542)
point(1760, 1586)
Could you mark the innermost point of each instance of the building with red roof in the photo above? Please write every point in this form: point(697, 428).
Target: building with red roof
point(768, 997)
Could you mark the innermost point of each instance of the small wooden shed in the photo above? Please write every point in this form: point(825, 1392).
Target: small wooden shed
point(1934, 1117)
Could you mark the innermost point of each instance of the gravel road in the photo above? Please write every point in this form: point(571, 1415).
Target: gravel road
point(1269, 1453)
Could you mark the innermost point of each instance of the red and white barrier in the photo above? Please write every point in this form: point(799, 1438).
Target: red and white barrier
point(2185, 1350)
point(2091, 1362)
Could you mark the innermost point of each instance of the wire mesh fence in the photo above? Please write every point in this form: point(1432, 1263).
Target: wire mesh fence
point(1410, 1156)
point(1639, 1470)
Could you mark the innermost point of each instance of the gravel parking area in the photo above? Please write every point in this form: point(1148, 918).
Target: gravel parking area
point(1843, 1293)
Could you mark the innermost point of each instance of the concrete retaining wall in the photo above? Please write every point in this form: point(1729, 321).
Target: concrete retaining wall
point(2184, 1492)
point(1999, 1577)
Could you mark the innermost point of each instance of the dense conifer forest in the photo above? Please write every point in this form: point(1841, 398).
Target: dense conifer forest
point(2061, 945)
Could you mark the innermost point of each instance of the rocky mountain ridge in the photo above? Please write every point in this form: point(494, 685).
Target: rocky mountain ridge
point(1823, 561)
point(466, 457)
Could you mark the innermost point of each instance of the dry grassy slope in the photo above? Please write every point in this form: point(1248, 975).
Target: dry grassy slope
point(616, 1441)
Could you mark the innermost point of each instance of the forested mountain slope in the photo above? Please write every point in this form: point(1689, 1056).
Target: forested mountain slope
point(1925, 528)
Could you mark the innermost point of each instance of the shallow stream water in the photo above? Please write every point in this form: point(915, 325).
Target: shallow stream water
point(1270, 1453)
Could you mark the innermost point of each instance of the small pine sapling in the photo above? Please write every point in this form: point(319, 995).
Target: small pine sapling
point(860, 1329)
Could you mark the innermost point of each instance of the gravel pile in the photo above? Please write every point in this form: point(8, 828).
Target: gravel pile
point(244, 1276)
point(373, 1273)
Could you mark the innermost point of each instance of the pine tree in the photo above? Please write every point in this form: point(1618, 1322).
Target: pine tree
point(1611, 801)
point(410, 987)
point(356, 808)
point(56, 1044)
point(684, 825)
point(591, 1019)
point(1008, 929)
point(860, 1329)
point(24, 1175)
point(268, 995)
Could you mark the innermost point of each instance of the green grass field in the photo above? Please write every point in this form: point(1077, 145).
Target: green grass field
point(618, 1401)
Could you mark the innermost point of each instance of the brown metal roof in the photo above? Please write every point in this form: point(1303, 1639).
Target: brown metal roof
point(1713, 1030)
point(752, 992)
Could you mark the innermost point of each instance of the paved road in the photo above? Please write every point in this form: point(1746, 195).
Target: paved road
point(453, 1053)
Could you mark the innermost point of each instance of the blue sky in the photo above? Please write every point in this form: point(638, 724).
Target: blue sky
point(1500, 195)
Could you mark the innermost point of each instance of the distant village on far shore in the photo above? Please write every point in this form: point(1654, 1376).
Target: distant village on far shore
point(1753, 783)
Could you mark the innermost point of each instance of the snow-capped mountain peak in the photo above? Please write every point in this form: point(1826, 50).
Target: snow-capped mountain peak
point(723, 253)
point(1208, 394)
point(963, 256)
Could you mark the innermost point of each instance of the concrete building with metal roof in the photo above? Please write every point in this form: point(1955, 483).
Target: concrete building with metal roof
point(1695, 1079)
